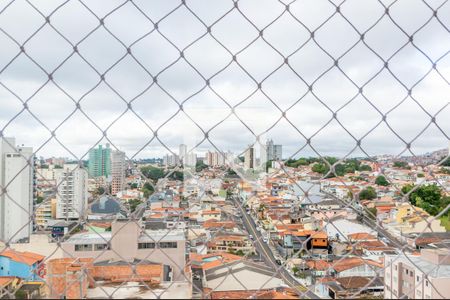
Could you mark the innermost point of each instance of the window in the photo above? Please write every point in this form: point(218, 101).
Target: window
point(83, 247)
point(164, 245)
point(418, 278)
point(406, 271)
point(98, 247)
point(426, 282)
point(395, 267)
point(146, 245)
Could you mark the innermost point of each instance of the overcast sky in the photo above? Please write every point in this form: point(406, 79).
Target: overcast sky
point(284, 87)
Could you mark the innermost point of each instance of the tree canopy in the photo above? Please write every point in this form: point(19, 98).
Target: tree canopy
point(368, 193)
point(381, 180)
point(428, 197)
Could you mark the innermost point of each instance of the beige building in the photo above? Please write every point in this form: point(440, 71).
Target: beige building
point(45, 211)
point(425, 276)
point(127, 241)
point(118, 167)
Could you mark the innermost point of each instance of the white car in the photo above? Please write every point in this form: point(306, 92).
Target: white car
point(265, 240)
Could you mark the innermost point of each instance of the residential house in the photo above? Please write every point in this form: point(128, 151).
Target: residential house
point(25, 265)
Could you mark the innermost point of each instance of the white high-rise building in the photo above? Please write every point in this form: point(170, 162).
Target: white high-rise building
point(191, 159)
point(118, 169)
point(16, 205)
point(182, 152)
point(72, 197)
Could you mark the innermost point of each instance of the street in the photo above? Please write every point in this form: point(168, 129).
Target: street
point(267, 254)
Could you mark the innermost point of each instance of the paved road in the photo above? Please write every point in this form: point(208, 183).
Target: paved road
point(268, 256)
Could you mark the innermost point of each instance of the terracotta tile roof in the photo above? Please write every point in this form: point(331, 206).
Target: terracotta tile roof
point(353, 282)
point(28, 258)
point(320, 235)
point(211, 212)
point(254, 294)
point(361, 236)
point(200, 261)
point(319, 265)
point(370, 244)
point(352, 262)
point(290, 227)
point(5, 280)
point(218, 224)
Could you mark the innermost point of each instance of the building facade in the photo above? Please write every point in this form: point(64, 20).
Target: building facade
point(129, 242)
point(250, 158)
point(273, 152)
point(16, 205)
point(100, 161)
point(424, 276)
point(72, 197)
point(118, 169)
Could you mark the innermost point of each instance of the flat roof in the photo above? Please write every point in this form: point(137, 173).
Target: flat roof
point(163, 235)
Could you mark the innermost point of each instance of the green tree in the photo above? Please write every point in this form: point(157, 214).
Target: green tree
point(200, 166)
point(365, 168)
point(368, 193)
point(152, 172)
point(148, 190)
point(133, 204)
point(428, 197)
point(268, 165)
point(39, 199)
point(401, 165)
point(446, 162)
point(444, 170)
point(372, 213)
point(100, 190)
point(381, 180)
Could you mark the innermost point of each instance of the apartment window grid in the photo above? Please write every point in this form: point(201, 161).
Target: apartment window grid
point(436, 14)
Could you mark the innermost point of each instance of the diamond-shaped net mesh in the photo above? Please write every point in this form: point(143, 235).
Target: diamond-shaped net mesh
point(351, 79)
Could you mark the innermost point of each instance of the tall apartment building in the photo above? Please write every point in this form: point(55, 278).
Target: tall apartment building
point(188, 159)
point(16, 205)
point(171, 160)
point(118, 168)
point(72, 197)
point(100, 161)
point(250, 158)
point(182, 151)
point(273, 152)
point(424, 276)
point(215, 159)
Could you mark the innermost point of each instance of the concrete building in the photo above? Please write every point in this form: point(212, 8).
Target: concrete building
point(45, 211)
point(72, 197)
point(215, 159)
point(171, 160)
point(424, 276)
point(182, 152)
point(100, 161)
point(273, 152)
point(250, 158)
point(25, 265)
point(129, 242)
point(118, 168)
point(16, 205)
